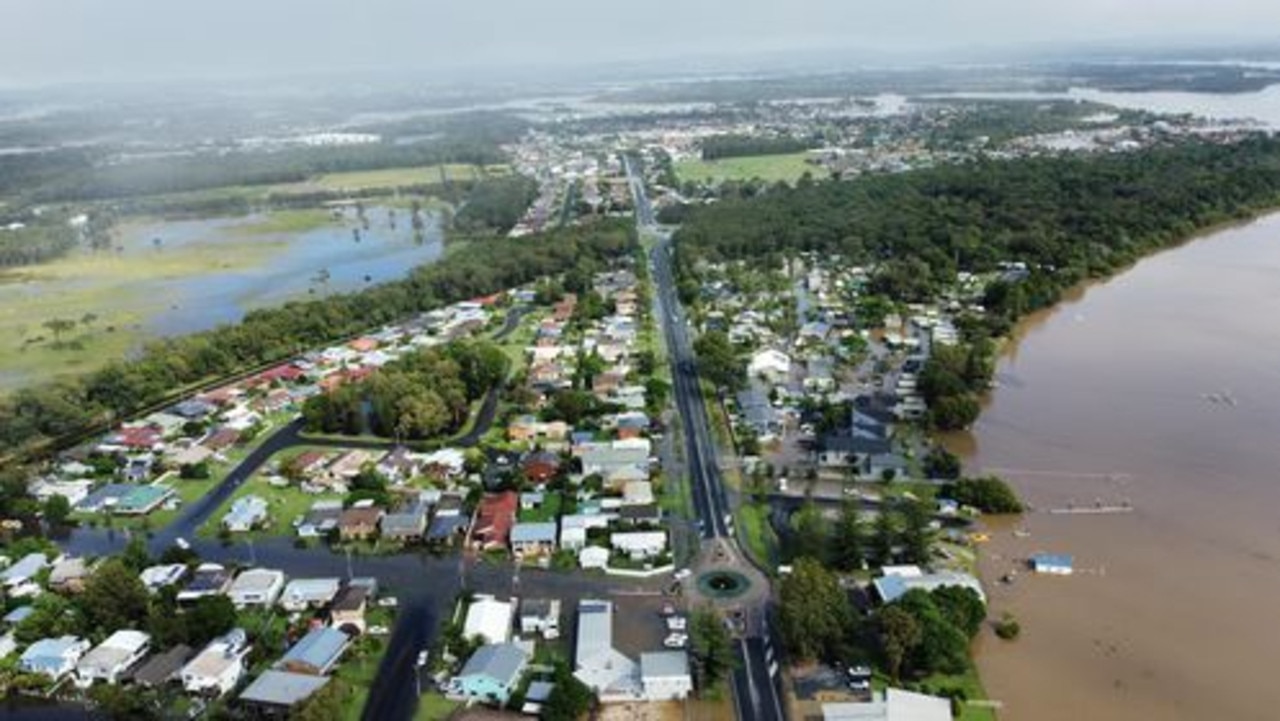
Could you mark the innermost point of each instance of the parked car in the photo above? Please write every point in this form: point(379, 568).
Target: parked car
point(676, 640)
point(668, 608)
point(677, 623)
point(683, 574)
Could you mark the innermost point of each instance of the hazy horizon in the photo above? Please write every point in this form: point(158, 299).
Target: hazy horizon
point(88, 41)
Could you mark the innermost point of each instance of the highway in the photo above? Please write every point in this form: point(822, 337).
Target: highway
point(756, 680)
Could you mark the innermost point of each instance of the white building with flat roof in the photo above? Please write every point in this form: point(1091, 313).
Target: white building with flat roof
point(490, 619)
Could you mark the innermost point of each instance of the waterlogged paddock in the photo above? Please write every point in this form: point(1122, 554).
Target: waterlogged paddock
point(170, 278)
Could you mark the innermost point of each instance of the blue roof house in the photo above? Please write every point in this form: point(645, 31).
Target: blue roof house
point(316, 653)
point(53, 657)
point(491, 674)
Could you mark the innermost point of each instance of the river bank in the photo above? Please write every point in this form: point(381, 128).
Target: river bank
point(1134, 389)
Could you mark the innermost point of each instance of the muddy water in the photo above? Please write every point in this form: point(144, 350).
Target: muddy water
point(1160, 388)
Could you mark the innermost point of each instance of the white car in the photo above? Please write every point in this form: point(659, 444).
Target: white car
point(378, 630)
point(388, 602)
point(676, 640)
point(683, 574)
point(677, 623)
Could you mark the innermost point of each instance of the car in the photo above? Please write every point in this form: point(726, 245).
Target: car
point(676, 640)
point(181, 542)
point(388, 602)
point(683, 574)
point(423, 655)
point(677, 623)
point(378, 630)
point(668, 608)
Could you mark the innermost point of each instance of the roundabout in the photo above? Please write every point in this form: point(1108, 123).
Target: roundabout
point(723, 584)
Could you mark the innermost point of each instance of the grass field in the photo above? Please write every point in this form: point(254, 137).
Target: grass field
point(284, 505)
point(434, 707)
point(769, 168)
point(389, 177)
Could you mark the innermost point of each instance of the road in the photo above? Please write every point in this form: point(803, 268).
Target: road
point(756, 679)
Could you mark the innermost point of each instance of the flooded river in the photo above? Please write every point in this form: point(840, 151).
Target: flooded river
point(1160, 387)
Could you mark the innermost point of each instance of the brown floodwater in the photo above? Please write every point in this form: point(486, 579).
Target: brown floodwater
point(1159, 388)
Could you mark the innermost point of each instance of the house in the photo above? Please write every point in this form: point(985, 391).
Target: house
point(540, 467)
point(246, 514)
point(593, 557)
point(209, 579)
point(771, 364)
point(896, 581)
point(540, 616)
point(69, 575)
point(532, 500)
point(616, 461)
point(494, 519)
point(646, 515)
point(406, 524)
point(348, 609)
point(321, 519)
point(274, 693)
point(491, 674)
point(157, 577)
point(112, 658)
point(399, 465)
point(1057, 564)
point(573, 529)
point(24, 571)
point(359, 523)
point(256, 587)
point(533, 539)
point(596, 663)
point(637, 493)
point(489, 619)
point(53, 657)
point(446, 529)
point(664, 675)
point(303, 593)
point(162, 668)
point(639, 545)
point(8, 644)
point(893, 705)
point(218, 667)
point(315, 653)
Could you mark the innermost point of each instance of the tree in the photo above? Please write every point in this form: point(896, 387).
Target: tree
point(941, 463)
point(51, 615)
point(809, 532)
point(814, 613)
point(324, 705)
point(988, 494)
point(849, 542)
point(916, 535)
point(712, 646)
point(953, 413)
point(719, 362)
point(899, 633)
point(569, 699)
point(884, 538)
point(943, 648)
point(962, 607)
point(210, 617)
point(114, 597)
point(116, 702)
point(56, 510)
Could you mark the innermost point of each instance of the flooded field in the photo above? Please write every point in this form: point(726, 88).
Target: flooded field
point(1159, 388)
point(171, 278)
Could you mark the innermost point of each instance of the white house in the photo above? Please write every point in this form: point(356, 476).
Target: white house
point(593, 557)
point(111, 658)
point(664, 675)
point(639, 545)
point(596, 663)
point(771, 364)
point(896, 581)
point(303, 593)
point(490, 619)
point(893, 705)
point(157, 577)
point(1052, 563)
point(540, 616)
point(256, 587)
point(219, 667)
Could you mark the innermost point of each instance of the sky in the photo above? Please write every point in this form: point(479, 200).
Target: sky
point(56, 41)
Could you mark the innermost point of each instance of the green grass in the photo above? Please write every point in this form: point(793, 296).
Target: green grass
point(548, 511)
point(972, 685)
point(756, 534)
point(287, 221)
point(769, 168)
point(284, 505)
point(434, 707)
point(358, 671)
point(390, 177)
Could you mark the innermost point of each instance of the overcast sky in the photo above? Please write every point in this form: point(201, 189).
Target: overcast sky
point(45, 41)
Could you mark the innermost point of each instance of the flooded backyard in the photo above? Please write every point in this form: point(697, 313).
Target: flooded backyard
point(175, 277)
point(1159, 388)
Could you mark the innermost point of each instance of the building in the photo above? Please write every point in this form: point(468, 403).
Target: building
point(348, 609)
point(69, 574)
point(274, 693)
point(315, 653)
point(664, 675)
point(406, 524)
point(893, 705)
point(112, 658)
point(256, 587)
point(533, 539)
point(616, 461)
point(53, 657)
point(158, 577)
point(162, 668)
point(246, 514)
point(209, 579)
point(303, 593)
point(540, 616)
point(491, 674)
point(489, 619)
point(896, 581)
point(359, 523)
point(218, 667)
point(595, 661)
point(770, 364)
point(1057, 564)
point(593, 557)
point(639, 545)
point(24, 570)
point(494, 519)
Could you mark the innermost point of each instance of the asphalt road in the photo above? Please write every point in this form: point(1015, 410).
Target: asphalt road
point(756, 680)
